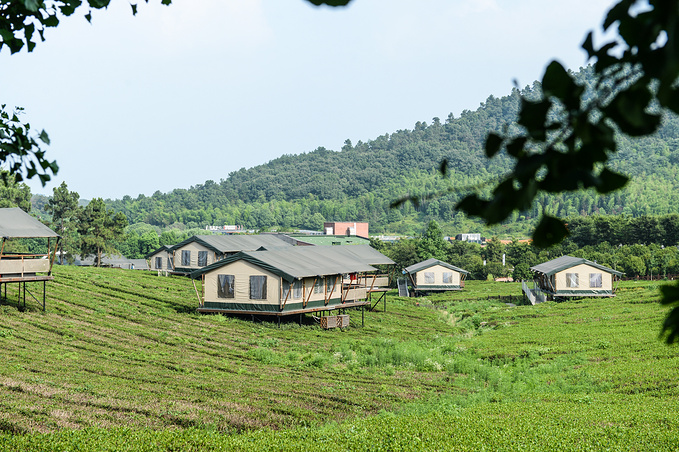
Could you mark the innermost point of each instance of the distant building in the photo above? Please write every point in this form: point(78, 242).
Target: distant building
point(473, 238)
point(346, 228)
point(226, 229)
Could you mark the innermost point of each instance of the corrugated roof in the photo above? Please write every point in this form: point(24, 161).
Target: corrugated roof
point(332, 239)
point(235, 243)
point(14, 222)
point(430, 263)
point(296, 262)
point(362, 253)
point(554, 266)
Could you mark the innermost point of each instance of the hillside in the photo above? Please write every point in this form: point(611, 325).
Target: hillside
point(121, 355)
point(360, 181)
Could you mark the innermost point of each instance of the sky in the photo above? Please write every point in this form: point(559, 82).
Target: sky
point(190, 92)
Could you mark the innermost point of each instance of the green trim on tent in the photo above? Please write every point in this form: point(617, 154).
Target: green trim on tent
point(290, 308)
point(438, 287)
point(581, 293)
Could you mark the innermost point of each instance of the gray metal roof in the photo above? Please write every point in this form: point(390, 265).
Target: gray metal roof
point(296, 262)
point(554, 266)
point(363, 253)
point(430, 263)
point(235, 243)
point(14, 222)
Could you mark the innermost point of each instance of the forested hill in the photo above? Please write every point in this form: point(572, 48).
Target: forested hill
point(360, 181)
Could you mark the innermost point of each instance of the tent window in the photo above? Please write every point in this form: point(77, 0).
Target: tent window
point(159, 263)
point(186, 258)
point(318, 285)
point(429, 278)
point(258, 287)
point(329, 283)
point(225, 286)
point(447, 277)
point(297, 289)
point(572, 280)
point(595, 280)
point(202, 258)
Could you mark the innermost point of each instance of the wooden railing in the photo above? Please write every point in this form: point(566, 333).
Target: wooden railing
point(20, 264)
point(352, 293)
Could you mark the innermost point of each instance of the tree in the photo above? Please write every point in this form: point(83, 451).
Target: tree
point(99, 227)
point(63, 205)
point(432, 243)
point(14, 193)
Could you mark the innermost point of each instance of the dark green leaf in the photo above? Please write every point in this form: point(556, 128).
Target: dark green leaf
point(44, 137)
point(549, 231)
point(610, 181)
point(670, 297)
point(493, 144)
point(533, 116)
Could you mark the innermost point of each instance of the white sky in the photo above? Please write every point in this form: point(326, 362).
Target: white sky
point(181, 94)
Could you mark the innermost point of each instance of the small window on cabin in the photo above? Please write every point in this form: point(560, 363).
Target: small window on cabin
point(258, 287)
point(318, 285)
point(329, 283)
point(429, 278)
point(572, 280)
point(186, 258)
point(297, 289)
point(447, 277)
point(159, 263)
point(202, 258)
point(595, 280)
point(225, 286)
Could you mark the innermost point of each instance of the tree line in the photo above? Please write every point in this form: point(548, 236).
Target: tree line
point(514, 259)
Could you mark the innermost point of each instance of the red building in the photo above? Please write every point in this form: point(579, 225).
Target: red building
point(346, 228)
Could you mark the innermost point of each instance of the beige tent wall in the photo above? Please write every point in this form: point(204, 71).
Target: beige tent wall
point(583, 271)
point(308, 294)
point(194, 247)
point(438, 276)
point(242, 270)
point(164, 255)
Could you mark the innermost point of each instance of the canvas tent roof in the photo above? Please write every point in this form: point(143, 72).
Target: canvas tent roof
point(430, 263)
point(14, 222)
point(235, 243)
point(554, 266)
point(296, 262)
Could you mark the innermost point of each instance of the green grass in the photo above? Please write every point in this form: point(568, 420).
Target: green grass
point(121, 355)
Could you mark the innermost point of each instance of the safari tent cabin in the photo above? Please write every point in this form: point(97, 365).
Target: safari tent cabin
point(281, 282)
point(568, 276)
point(18, 267)
point(434, 275)
point(202, 250)
point(160, 259)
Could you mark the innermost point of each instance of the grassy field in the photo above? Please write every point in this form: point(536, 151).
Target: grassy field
point(121, 361)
